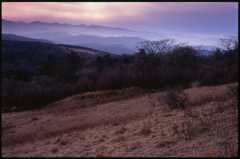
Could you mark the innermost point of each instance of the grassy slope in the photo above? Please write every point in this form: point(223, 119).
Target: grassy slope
point(137, 126)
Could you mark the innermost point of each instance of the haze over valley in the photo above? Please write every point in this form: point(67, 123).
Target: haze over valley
point(113, 40)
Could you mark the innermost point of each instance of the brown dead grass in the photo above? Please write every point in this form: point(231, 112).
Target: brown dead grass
point(146, 129)
point(135, 127)
point(81, 50)
point(195, 84)
point(54, 149)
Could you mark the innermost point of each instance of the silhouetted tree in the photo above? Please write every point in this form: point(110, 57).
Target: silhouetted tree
point(8, 92)
point(99, 60)
point(181, 57)
point(49, 65)
point(230, 46)
point(151, 61)
point(109, 60)
point(22, 75)
point(64, 67)
point(92, 76)
point(126, 60)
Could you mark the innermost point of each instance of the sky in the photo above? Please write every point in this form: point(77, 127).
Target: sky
point(203, 19)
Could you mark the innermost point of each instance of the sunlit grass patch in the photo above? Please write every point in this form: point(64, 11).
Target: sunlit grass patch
point(108, 93)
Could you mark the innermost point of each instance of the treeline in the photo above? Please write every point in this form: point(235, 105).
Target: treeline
point(156, 64)
point(31, 52)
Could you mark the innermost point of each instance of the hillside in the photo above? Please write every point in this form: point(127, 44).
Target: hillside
point(127, 123)
point(33, 52)
point(84, 51)
point(115, 48)
point(13, 37)
point(36, 51)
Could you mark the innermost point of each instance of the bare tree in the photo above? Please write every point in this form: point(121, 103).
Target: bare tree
point(92, 76)
point(142, 61)
point(181, 57)
point(63, 68)
point(224, 57)
point(41, 84)
point(8, 92)
point(151, 61)
point(229, 45)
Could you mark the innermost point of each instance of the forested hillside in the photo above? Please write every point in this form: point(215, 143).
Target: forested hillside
point(35, 74)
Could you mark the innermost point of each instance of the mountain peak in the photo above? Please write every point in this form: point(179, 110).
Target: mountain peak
point(21, 22)
point(35, 22)
point(81, 25)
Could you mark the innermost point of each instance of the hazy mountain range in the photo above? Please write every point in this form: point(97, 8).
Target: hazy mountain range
point(21, 28)
point(114, 40)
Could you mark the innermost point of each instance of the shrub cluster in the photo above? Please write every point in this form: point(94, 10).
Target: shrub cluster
point(175, 98)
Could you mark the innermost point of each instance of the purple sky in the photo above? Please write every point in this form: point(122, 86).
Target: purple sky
point(203, 19)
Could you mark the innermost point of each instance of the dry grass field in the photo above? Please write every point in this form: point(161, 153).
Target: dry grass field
point(127, 125)
point(95, 52)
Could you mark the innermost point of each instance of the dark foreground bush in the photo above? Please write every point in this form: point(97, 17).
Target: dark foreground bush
point(174, 97)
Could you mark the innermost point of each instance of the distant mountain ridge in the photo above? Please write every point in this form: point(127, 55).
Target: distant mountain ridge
point(37, 26)
point(129, 42)
point(22, 28)
point(48, 35)
point(113, 48)
point(104, 38)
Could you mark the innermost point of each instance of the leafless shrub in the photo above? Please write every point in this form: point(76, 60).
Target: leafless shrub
point(200, 123)
point(121, 130)
point(6, 126)
point(220, 106)
point(151, 109)
point(194, 123)
point(195, 84)
point(175, 128)
point(63, 142)
point(191, 129)
point(175, 98)
point(210, 152)
point(146, 129)
point(54, 149)
point(118, 138)
point(164, 143)
point(58, 139)
point(133, 146)
point(232, 92)
point(34, 118)
point(193, 113)
point(100, 155)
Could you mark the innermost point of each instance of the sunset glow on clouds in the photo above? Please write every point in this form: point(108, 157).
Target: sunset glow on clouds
point(188, 18)
point(73, 11)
